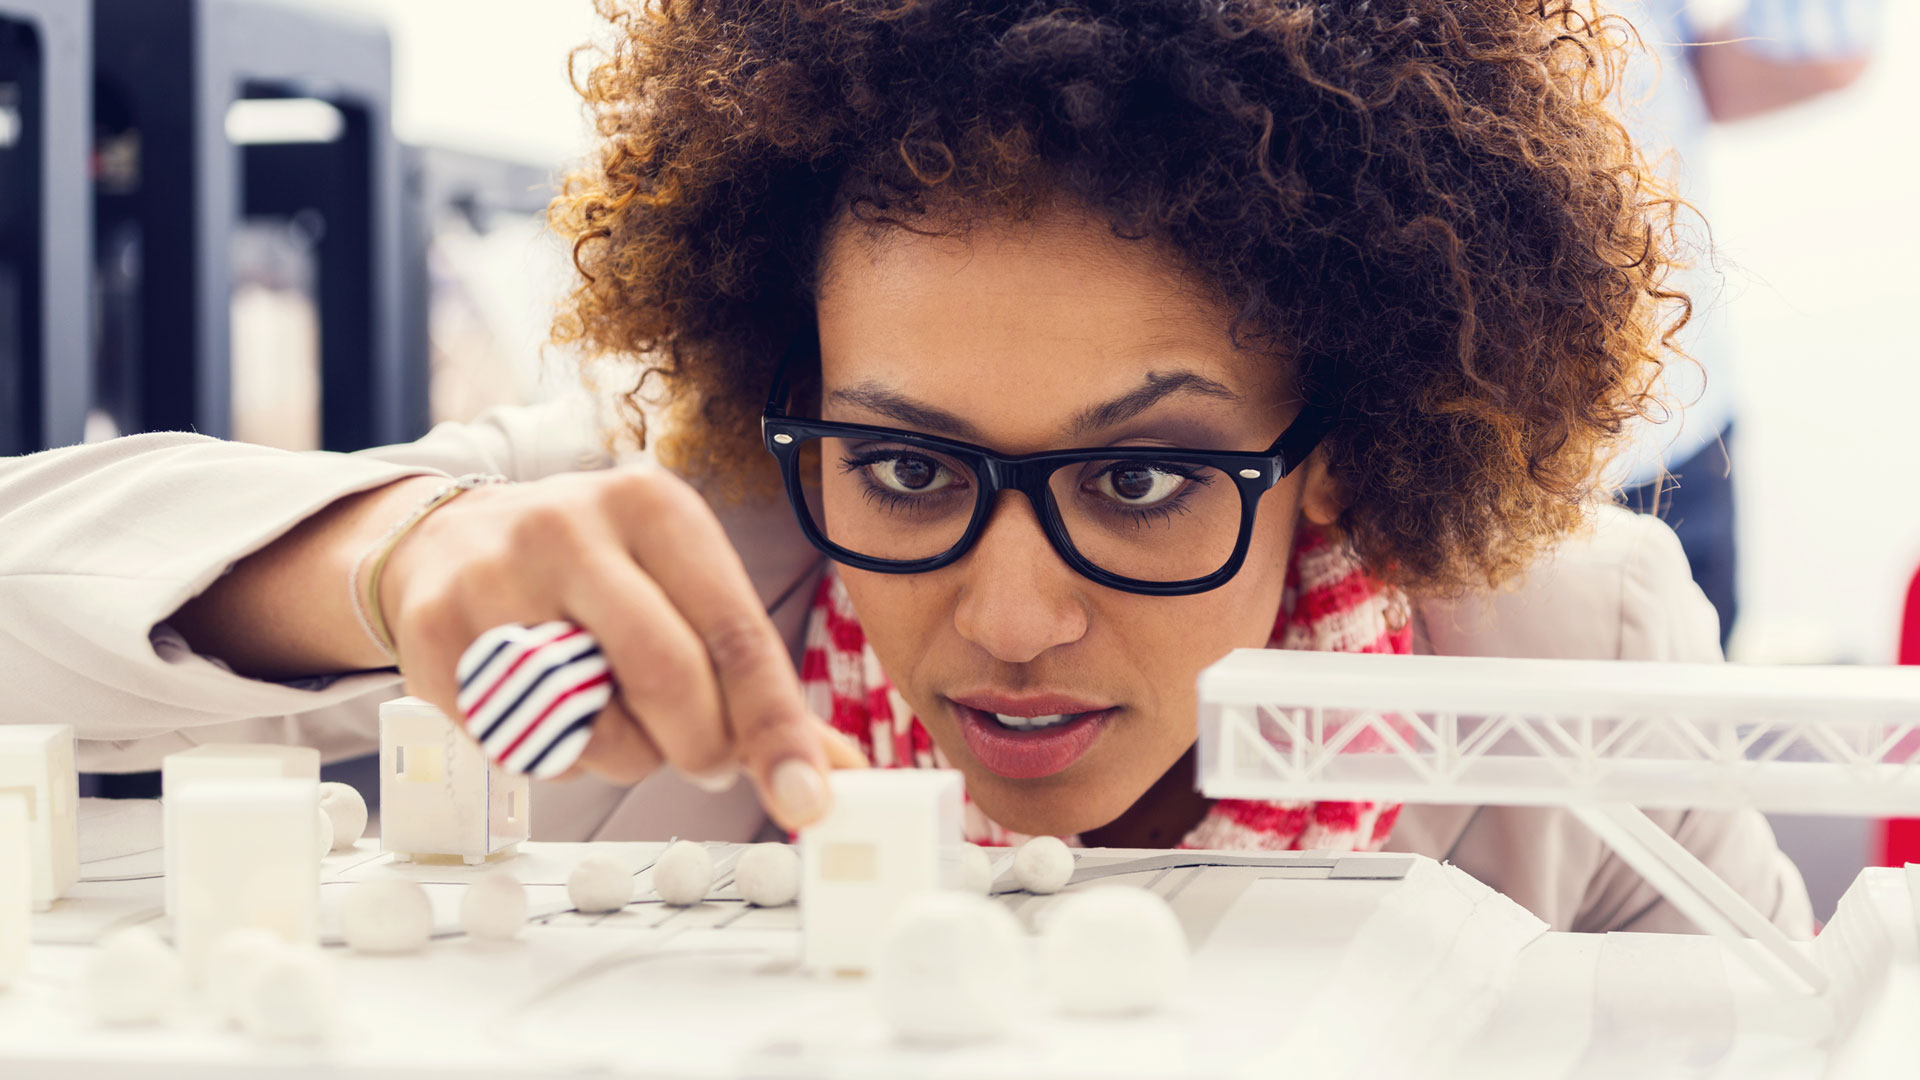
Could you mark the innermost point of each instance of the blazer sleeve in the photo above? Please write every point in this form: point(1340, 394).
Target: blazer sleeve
point(100, 544)
point(1624, 591)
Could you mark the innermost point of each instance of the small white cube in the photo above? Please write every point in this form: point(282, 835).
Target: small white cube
point(439, 795)
point(892, 834)
point(36, 762)
point(241, 855)
point(226, 761)
point(16, 884)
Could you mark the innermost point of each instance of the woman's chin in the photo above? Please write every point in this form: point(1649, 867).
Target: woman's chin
point(1048, 807)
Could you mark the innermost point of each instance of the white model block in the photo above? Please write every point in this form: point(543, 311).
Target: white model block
point(36, 762)
point(16, 885)
point(242, 856)
point(891, 835)
point(439, 795)
point(225, 761)
point(237, 761)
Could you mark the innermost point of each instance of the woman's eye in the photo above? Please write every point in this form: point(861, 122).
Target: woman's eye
point(1138, 485)
point(909, 475)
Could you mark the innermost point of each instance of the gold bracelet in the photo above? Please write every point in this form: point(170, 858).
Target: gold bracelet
point(367, 604)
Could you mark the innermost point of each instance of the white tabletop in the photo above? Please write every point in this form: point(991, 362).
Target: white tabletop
point(1296, 971)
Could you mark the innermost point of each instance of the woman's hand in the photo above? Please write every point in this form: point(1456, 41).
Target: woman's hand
point(635, 557)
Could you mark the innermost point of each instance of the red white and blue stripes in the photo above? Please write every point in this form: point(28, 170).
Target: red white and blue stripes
point(528, 695)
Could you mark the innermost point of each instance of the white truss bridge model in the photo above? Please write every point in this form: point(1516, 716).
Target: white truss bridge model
point(1601, 738)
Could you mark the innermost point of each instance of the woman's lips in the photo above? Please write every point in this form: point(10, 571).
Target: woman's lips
point(1033, 753)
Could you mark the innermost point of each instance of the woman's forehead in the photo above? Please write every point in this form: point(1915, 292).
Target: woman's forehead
point(1054, 309)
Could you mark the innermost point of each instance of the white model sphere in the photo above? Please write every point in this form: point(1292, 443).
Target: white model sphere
point(386, 915)
point(494, 907)
point(600, 883)
point(134, 978)
point(291, 996)
point(768, 875)
point(348, 810)
point(322, 833)
point(231, 964)
point(683, 873)
point(976, 869)
point(1113, 950)
point(1043, 865)
point(950, 967)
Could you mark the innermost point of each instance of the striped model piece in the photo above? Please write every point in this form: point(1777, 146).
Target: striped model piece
point(528, 695)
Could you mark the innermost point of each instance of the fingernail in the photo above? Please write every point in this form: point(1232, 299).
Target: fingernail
point(715, 782)
point(800, 790)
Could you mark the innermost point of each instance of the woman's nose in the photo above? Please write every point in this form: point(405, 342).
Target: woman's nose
point(1017, 599)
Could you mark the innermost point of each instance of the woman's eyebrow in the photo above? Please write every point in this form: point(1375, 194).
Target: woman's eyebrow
point(933, 420)
point(1159, 385)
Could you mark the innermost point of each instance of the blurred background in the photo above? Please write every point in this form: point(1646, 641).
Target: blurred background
point(317, 224)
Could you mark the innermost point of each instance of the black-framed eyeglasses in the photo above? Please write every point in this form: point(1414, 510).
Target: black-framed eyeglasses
point(1143, 519)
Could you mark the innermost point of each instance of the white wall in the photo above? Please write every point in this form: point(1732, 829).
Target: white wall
point(1817, 211)
point(484, 75)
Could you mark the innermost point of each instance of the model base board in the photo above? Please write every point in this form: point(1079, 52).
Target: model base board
point(1308, 963)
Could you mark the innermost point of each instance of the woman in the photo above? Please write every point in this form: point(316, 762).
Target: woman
point(1319, 308)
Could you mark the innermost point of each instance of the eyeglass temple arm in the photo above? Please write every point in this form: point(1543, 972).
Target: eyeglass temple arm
point(777, 396)
point(1301, 437)
point(803, 342)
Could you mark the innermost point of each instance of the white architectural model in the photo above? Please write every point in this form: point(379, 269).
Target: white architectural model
point(16, 884)
point(386, 915)
point(950, 967)
point(240, 854)
point(600, 883)
point(494, 907)
point(1114, 950)
point(36, 762)
point(892, 834)
point(346, 810)
point(683, 873)
point(134, 977)
point(768, 875)
point(227, 761)
point(1043, 865)
point(238, 761)
point(1601, 738)
point(439, 796)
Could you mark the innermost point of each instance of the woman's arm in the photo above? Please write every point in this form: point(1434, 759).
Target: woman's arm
point(246, 552)
point(101, 546)
point(285, 611)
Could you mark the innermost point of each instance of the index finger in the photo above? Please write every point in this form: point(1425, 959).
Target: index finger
point(679, 542)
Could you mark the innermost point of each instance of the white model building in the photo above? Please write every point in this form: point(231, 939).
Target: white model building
point(892, 833)
point(1602, 738)
point(439, 795)
point(16, 885)
point(226, 761)
point(240, 855)
point(36, 762)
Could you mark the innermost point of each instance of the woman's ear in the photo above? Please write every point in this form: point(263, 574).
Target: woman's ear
point(1322, 498)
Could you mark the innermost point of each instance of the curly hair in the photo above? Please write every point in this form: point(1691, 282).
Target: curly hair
point(1428, 206)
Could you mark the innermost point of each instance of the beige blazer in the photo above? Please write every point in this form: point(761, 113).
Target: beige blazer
point(100, 544)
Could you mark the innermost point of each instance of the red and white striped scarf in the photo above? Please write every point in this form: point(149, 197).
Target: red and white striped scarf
point(1331, 604)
